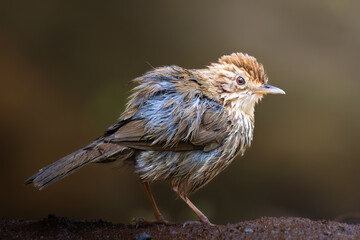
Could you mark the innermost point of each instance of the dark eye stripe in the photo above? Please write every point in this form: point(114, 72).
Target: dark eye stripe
point(240, 80)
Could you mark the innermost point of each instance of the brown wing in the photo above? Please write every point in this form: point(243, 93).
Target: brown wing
point(210, 134)
point(169, 112)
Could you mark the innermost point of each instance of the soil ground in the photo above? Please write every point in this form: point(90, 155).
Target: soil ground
point(54, 227)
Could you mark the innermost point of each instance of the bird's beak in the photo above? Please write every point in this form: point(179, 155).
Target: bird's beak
point(268, 89)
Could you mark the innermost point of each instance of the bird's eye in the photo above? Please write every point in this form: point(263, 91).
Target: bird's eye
point(240, 80)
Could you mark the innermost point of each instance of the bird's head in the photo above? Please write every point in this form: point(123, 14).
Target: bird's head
point(238, 81)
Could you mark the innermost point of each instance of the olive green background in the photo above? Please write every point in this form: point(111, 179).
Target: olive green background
point(65, 72)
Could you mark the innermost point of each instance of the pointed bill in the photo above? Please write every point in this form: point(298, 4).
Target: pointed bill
point(268, 89)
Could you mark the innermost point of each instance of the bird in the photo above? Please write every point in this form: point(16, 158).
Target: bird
point(180, 126)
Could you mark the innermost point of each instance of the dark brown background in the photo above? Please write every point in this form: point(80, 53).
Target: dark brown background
point(65, 70)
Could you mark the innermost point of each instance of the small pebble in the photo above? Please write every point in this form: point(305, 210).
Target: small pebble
point(142, 236)
point(248, 230)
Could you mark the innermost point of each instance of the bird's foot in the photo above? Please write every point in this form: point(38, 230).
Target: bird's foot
point(137, 221)
point(161, 219)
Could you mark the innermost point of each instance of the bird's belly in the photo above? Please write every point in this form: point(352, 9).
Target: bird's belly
point(188, 171)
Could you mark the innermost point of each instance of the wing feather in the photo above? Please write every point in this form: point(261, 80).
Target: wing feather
point(160, 117)
point(139, 135)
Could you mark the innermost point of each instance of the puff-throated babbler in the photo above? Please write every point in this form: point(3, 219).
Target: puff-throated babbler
point(183, 126)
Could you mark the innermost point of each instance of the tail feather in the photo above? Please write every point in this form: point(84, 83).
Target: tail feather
point(95, 152)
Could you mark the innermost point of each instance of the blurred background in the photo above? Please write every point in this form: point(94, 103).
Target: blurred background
point(65, 71)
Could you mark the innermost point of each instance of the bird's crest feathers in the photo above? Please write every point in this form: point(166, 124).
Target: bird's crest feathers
point(247, 63)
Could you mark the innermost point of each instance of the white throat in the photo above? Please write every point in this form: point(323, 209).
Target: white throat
point(241, 111)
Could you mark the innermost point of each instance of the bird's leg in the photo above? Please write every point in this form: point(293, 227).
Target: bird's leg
point(157, 214)
point(201, 216)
